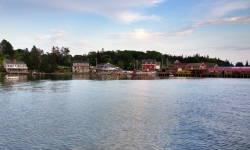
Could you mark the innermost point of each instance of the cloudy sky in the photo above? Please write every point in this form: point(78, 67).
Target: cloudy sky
point(218, 28)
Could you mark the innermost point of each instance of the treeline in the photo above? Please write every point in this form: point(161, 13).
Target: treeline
point(36, 59)
point(126, 59)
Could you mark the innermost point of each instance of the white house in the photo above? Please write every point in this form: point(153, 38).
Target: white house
point(15, 66)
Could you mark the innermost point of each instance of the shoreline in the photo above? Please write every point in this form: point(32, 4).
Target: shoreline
point(139, 75)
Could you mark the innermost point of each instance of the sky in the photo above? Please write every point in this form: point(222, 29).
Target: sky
point(218, 28)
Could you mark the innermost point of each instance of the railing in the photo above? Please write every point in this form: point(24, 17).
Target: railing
point(17, 68)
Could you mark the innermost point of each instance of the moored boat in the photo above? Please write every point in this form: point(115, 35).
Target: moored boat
point(171, 74)
point(11, 77)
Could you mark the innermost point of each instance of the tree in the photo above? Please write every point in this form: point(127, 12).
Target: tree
point(1, 57)
point(239, 64)
point(92, 56)
point(26, 58)
point(19, 54)
point(52, 62)
point(246, 63)
point(35, 58)
point(6, 48)
point(65, 56)
point(45, 66)
point(121, 64)
point(78, 57)
point(193, 60)
point(106, 58)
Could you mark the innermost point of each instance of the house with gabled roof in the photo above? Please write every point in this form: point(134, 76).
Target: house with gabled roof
point(15, 67)
point(105, 67)
point(178, 66)
point(80, 66)
point(200, 68)
point(150, 65)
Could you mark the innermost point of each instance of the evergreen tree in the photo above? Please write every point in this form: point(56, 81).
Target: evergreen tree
point(35, 59)
point(246, 63)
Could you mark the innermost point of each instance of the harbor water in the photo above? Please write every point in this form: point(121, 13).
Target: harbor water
point(112, 112)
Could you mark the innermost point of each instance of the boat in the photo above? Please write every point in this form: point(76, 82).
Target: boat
point(171, 74)
point(11, 77)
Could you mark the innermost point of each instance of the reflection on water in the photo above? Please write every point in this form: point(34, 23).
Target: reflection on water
point(82, 112)
point(25, 78)
point(112, 77)
point(16, 79)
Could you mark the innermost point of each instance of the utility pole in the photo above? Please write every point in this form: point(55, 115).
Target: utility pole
point(96, 62)
point(137, 64)
point(162, 63)
point(167, 62)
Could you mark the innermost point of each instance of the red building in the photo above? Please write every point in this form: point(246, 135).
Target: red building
point(178, 66)
point(195, 68)
point(148, 65)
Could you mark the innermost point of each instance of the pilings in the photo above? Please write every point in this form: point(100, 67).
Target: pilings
point(218, 75)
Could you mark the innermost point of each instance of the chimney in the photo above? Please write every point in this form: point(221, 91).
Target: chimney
point(14, 61)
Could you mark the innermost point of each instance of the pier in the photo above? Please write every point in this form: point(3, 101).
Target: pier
point(218, 75)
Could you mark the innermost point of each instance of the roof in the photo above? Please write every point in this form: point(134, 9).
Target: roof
point(211, 65)
point(148, 61)
point(180, 64)
point(176, 62)
point(194, 64)
point(107, 64)
point(12, 62)
point(238, 69)
point(101, 64)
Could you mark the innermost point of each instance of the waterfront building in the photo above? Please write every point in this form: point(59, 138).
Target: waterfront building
point(158, 66)
point(80, 66)
point(200, 68)
point(150, 65)
point(105, 67)
point(178, 66)
point(15, 67)
point(194, 68)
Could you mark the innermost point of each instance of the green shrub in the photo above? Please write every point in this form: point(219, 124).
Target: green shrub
point(2, 69)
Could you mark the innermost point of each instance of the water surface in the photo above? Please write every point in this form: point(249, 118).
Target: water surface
point(65, 112)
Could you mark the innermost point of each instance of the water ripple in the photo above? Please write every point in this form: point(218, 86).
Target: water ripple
point(144, 114)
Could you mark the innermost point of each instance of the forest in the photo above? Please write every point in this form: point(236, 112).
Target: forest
point(49, 62)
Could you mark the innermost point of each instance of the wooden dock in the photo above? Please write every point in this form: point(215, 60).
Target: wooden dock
point(217, 75)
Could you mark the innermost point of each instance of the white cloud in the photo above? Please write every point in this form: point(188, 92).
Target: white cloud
point(143, 35)
point(52, 39)
point(178, 33)
point(187, 30)
point(207, 9)
point(128, 17)
point(224, 7)
point(123, 11)
point(223, 21)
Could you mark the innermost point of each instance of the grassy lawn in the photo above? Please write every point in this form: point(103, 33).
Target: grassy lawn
point(63, 69)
